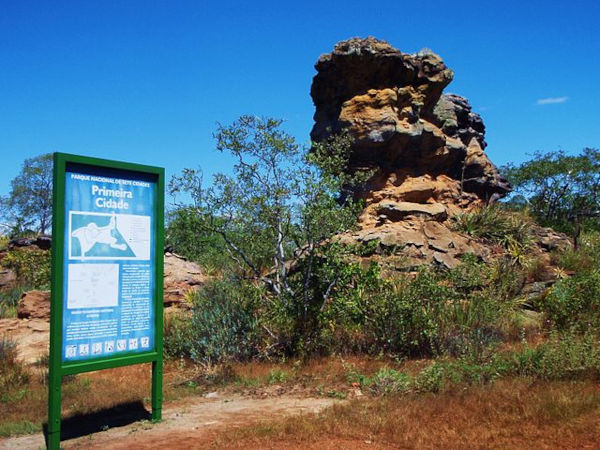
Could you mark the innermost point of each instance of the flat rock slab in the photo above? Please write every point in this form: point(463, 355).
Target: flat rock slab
point(32, 337)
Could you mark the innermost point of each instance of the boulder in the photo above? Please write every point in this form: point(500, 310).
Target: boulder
point(180, 276)
point(43, 242)
point(34, 305)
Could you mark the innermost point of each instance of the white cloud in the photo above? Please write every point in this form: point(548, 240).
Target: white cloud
point(551, 100)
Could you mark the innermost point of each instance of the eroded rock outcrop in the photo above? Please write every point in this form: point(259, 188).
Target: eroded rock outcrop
point(425, 148)
point(403, 126)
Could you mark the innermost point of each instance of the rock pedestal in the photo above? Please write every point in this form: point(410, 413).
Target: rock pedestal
point(425, 148)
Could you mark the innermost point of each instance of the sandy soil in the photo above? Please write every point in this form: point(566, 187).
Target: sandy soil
point(189, 423)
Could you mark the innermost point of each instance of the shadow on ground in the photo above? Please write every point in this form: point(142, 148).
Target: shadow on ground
point(117, 416)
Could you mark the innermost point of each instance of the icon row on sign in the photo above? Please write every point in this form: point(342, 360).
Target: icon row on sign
point(100, 348)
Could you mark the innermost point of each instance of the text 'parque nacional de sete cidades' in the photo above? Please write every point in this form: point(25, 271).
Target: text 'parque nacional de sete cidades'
point(110, 198)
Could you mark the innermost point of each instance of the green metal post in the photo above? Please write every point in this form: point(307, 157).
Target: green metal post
point(157, 369)
point(54, 410)
point(54, 369)
point(157, 366)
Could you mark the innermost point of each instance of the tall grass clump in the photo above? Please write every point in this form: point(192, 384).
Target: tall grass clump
point(9, 298)
point(510, 229)
point(13, 374)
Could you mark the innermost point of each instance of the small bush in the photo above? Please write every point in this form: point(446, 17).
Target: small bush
point(389, 381)
point(221, 328)
point(31, 267)
point(562, 358)
point(586, 257)
point(459, 312)
point(574, 303)
point(9, 300)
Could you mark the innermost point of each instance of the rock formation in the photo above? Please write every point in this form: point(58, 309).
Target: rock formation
point(426, 148)
point(34, 305)
point(180, 276)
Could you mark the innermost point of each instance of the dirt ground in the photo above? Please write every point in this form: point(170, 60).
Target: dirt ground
point(188, 423)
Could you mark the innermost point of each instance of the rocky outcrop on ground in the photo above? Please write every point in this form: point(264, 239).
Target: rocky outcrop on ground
point(424, 148)
point(180, 277)
point(34, 305)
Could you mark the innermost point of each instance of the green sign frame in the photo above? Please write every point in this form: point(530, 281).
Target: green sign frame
point(59, 368)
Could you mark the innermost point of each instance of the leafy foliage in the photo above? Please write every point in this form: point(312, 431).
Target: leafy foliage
point(560, 190)
point(32, 267)
point(28, 207)
point(222, 325)
point(573, 303)
point(186, 233)
point(280, 204)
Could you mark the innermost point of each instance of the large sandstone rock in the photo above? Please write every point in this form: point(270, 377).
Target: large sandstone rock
point(392, 104)
point(180, 276)
point(424, 148)
point(34, 305)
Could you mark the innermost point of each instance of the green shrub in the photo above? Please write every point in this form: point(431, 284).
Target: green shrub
point(562, 358)
point(574, 303)
point(31, 267)
point(586, 257)
point(458, 312)
point(222, 326)
point(9, 298)
point(389, 381)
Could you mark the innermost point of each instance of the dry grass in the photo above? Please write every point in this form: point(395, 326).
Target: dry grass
point(508, 414)
point(88, 393)
point(512, 413)
point(96, 391)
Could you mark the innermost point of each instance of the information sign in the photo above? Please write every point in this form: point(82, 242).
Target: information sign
point(107, 269)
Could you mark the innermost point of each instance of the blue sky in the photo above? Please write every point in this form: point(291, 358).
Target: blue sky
point(146, 81)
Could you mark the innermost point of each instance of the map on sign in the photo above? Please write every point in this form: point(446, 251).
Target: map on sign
point(109, 236)
point(93, 285)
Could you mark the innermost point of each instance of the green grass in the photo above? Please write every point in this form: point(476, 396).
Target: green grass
point(16, 428)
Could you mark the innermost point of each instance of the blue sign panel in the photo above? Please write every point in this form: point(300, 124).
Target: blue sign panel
point(109, 282)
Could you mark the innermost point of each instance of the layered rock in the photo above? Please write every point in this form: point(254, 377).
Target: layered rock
point(404, 128)
point(424, 148)
point(34, 305)
point(180, 277)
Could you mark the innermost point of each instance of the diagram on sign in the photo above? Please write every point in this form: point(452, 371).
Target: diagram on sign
point(109, 236)
point(93, 285)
